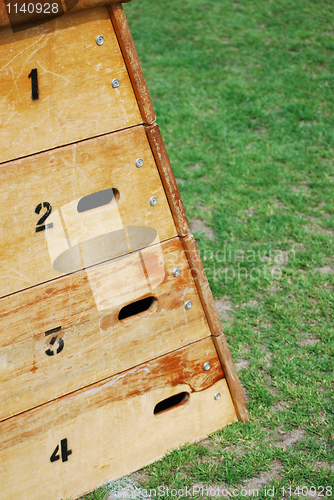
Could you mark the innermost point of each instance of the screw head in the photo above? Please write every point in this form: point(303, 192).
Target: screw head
point(139, 162)
point(115, 83)
point(188, 305)
point(206, 366)
point(176, 272)
point(99, 40)
point(216, 396)
point(153, 201)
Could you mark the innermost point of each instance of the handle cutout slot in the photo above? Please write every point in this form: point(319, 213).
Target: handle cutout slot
point(137, 307)
point(172, 402)
point(98, 199)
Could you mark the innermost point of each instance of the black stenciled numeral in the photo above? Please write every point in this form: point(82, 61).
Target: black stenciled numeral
point(61, 343)
point(40, 224)
point(65, 453)
point(34, 84)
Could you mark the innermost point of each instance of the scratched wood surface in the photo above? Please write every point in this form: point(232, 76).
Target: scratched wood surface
point(76, 99)
point(87, 341)
point(109, 429)
point(63, 178)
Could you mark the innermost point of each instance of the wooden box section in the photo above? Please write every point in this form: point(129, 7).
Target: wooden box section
point(49, 224)
point(64, 335)
point(68, 447)
point(76, 99)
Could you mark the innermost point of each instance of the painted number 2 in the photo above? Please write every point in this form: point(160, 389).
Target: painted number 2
point(65, 452)
point(34, 84)
point(40, 224)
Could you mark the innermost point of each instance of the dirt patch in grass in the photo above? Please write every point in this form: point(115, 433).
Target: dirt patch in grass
point(224, 307)
point(325, 269)
point(290, 438)
point(241, 364)
point(200, 226)
point(252, 303)
point(179, 181)
point(307, 342)
point(263, 479)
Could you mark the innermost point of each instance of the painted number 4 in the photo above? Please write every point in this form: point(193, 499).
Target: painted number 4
point(65, 452)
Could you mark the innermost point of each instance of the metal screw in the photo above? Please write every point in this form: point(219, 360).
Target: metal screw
point(153, 201)
point(139, 162)
point(216, 396)
point(188, 305)
point(115, 83)
point(176, 272)
point(99, 40)
point(207, 366)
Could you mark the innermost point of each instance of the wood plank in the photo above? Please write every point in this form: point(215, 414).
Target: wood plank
point(12, 17)
point(231, 377)
point(82, 309)
point(77, 240)
point(75, 97)
point(110, 428)
point(168, 179)
point(130, 55)
point(203, 287)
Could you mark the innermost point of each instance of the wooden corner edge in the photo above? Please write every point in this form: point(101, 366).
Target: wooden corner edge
point(125, 40)
point(232, 378)
point(168, 179)
point(202, 284)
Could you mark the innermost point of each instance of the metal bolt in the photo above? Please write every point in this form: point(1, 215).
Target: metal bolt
point(176, 272)
point(139, 162)
point(115, 83)
point(207, 366)
point(99, 40)
point(216, 396)
point(153, 201)
point(188, 305)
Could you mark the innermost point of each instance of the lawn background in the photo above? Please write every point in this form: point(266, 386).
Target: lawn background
point(243, 93)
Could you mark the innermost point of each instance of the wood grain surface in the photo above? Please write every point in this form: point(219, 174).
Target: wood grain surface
point(168, 179)
point(133, 65)
point(203, 287)
point(110, 427)
point(78, 240)
point(76, 99)
point(80, 313)
point(231, 377)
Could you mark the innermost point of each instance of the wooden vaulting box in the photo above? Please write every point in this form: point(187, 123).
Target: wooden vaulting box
point(111, 348)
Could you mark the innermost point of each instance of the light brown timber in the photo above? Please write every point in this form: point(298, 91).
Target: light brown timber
point(232, 378)
point(76, 99)
point(110, 427)
point(168, 179)
point(132, 62)
point(203, 287)
point(77, 240)
point(95, 343)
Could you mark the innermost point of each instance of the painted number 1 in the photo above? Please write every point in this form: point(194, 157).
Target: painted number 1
point(34, 84)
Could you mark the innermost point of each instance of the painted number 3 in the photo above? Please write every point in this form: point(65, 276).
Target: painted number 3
point(51, 352)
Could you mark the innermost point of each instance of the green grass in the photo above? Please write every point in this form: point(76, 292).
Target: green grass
point(244, 96)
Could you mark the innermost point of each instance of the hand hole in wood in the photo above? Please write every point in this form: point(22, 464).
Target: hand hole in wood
point(173, 402)
point(148, 304)
point(98, 199)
